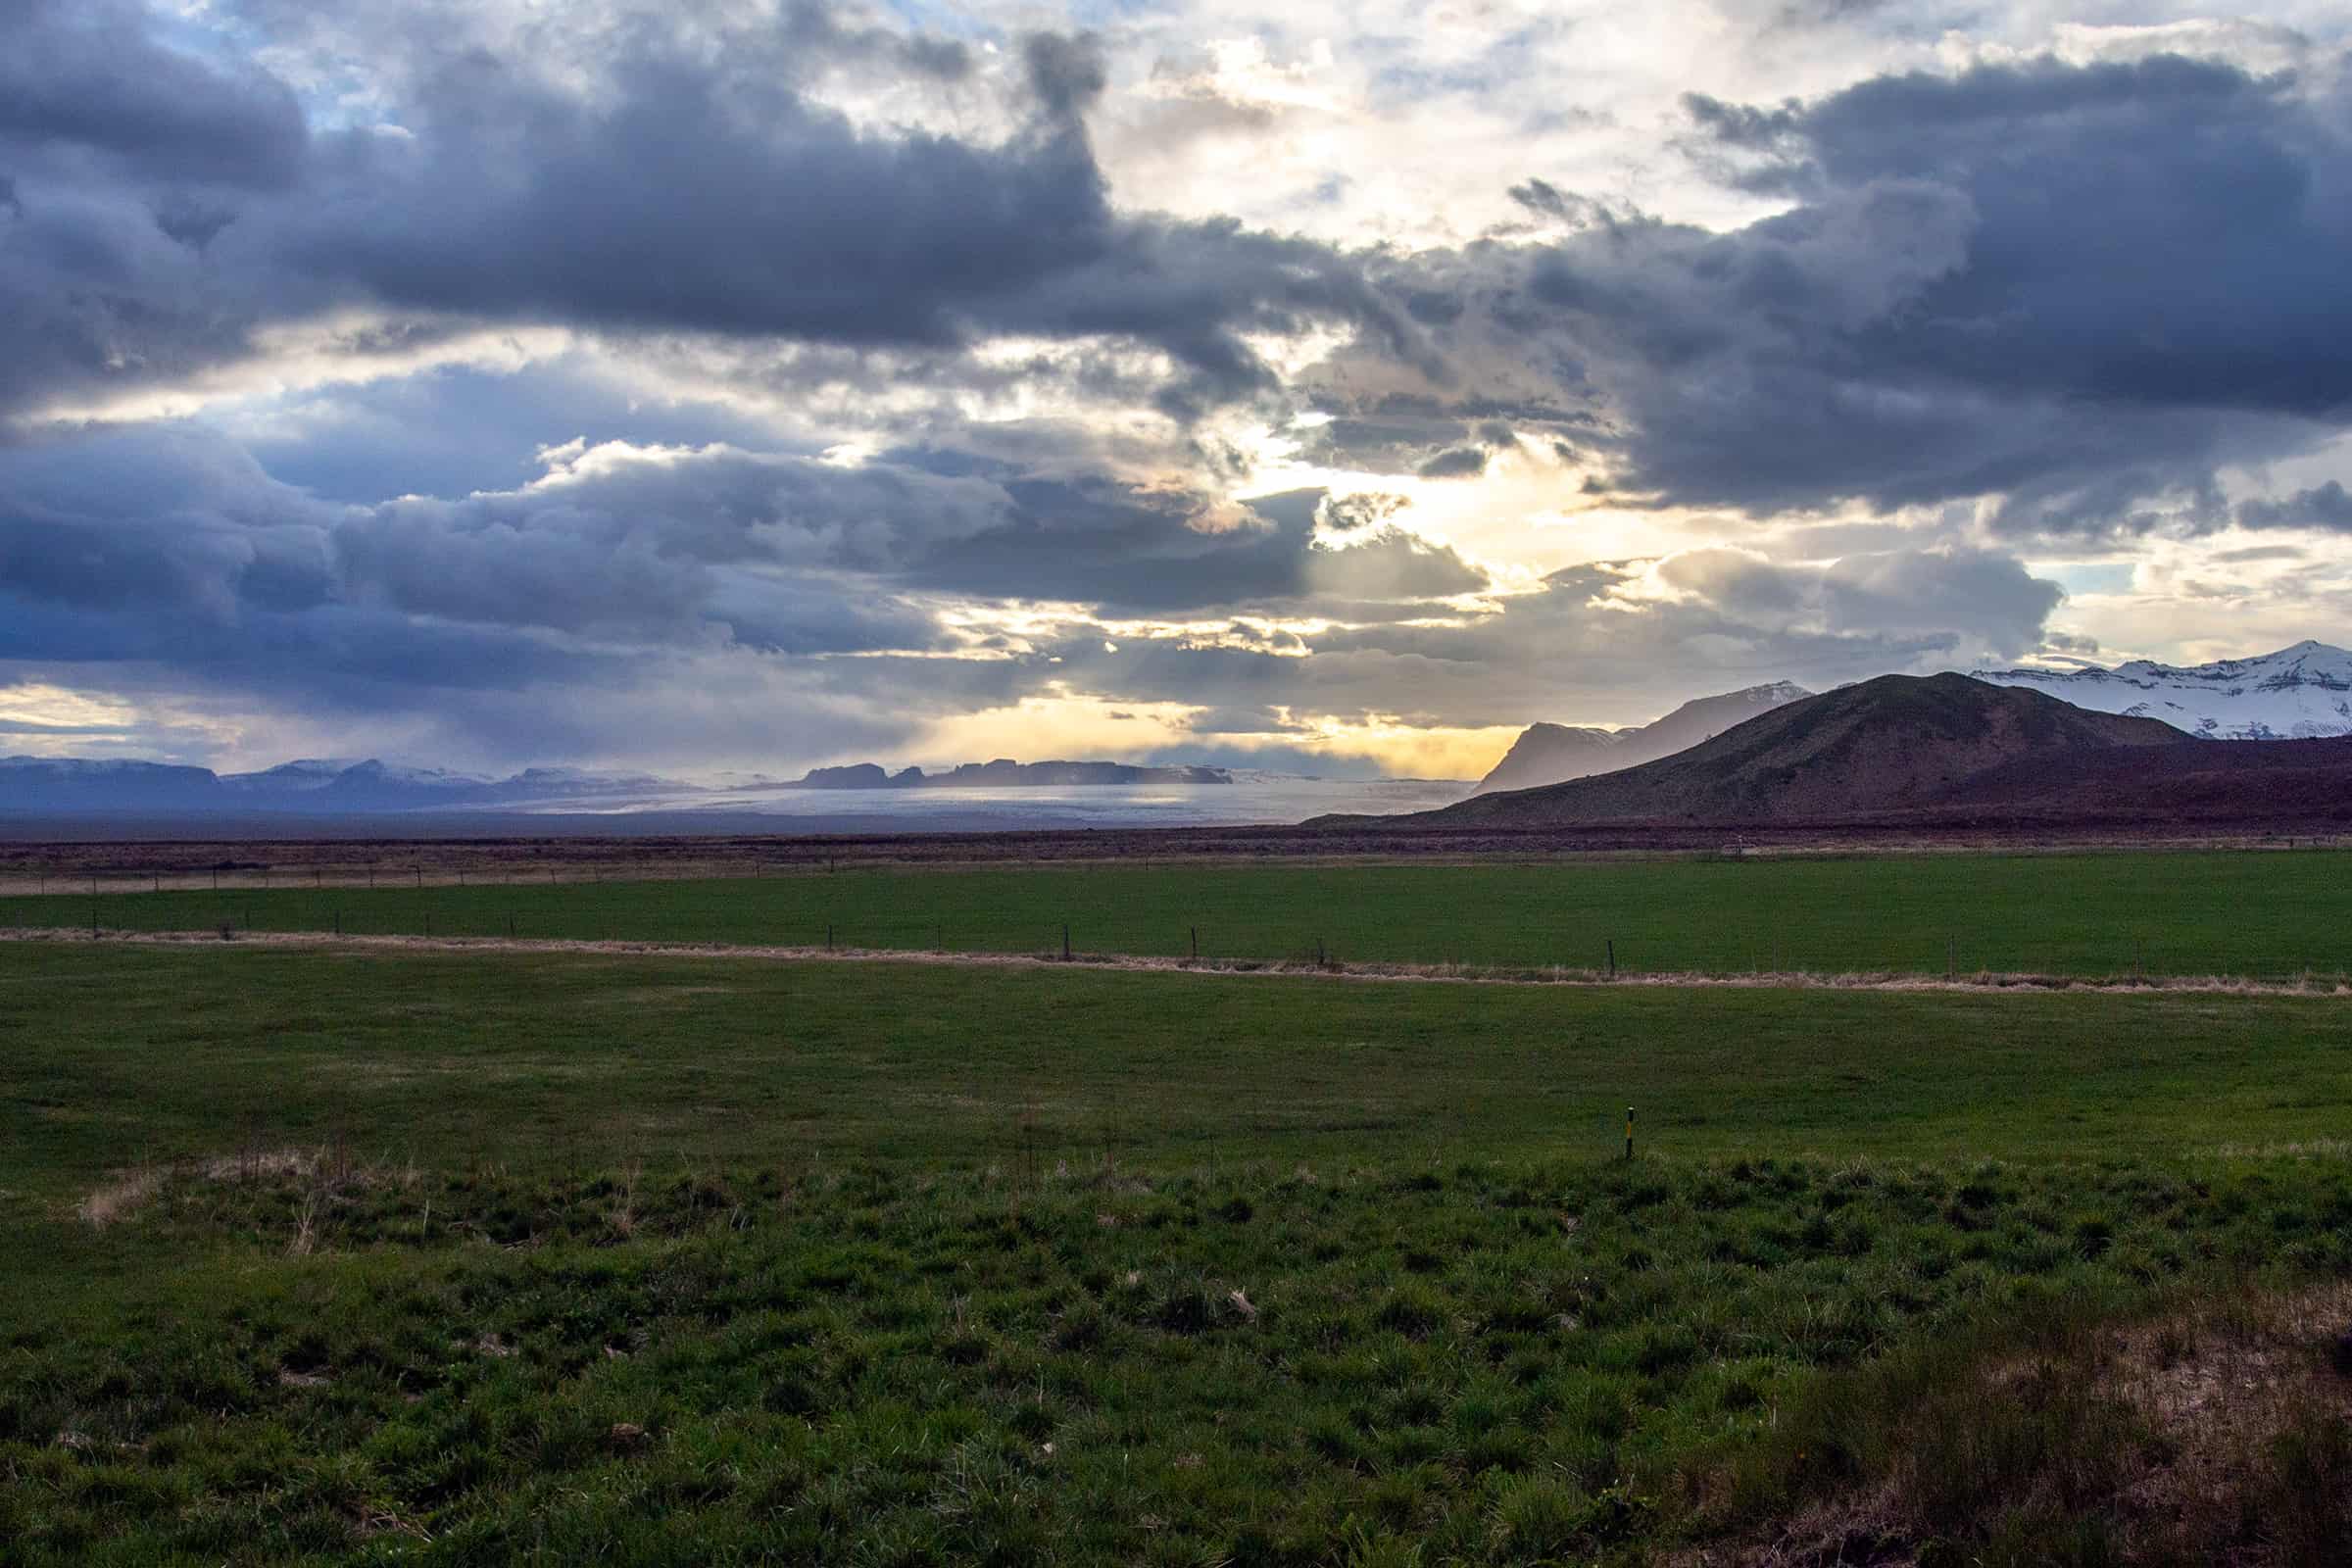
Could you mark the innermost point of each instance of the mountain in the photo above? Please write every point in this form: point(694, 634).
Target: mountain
point(2307, 783)
point(1550, 754)
point(2298, 693)
point(72, 784)
point(76, 786)
point(1005, 773)
point(288, 778)
point(1897, 744)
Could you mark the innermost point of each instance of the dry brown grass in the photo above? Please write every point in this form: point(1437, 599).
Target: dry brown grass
point(1980, 983)
point(2218, 1431)
point(120, 1198)
point(328, 1167)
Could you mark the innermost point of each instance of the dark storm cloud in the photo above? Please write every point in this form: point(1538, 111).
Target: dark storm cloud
point(1068, 74)
point(814, 31)
point(1455, 463)
point(1542, 197)
point(2078, 179)
point(631, 595)
point(1585, 645)
point(1422, 436)
point(2327, 506)
point(683, 189)
point(1139, 552)
point(1963, 301)
point(85, 76)
point(192, 222)
point(175, 547)
point(691, 552)
point(94, 294)
point(1959, 302)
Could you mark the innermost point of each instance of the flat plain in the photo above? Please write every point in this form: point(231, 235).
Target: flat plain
point(342, 1255)
point(2275, 914)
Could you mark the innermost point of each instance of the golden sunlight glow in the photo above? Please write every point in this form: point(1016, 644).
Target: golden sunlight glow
point(1058, 726)
point(1402, 751)
point(1064, 725)
point(351, 348)
point(74, 718)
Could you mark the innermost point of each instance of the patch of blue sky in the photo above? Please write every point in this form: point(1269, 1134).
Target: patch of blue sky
point(2090, 577)
point(218, 36)
point(456, 429)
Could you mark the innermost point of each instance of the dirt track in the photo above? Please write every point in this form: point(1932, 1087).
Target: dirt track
point(1400, 973)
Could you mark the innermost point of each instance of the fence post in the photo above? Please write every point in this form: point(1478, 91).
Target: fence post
point(1196, 944)
point(1065, 942)
point(1613, 975)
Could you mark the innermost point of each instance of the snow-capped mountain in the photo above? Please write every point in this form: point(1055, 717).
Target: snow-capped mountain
point(2298, 693)
point(307, 773)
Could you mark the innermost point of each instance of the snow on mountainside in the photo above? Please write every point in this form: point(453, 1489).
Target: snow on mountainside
point(2298, 693)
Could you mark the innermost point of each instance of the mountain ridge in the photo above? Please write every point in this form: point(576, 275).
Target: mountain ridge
point(306, 786)
point(1005, 773)
point(1882, 747)
point(1553, 754)
point(2300, 691)
point(333, 786)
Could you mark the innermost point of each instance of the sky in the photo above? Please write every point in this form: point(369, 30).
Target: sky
point(736, 387)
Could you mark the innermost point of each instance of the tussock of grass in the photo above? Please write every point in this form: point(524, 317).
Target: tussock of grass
point(2211, 1429)
point(1474, 1363)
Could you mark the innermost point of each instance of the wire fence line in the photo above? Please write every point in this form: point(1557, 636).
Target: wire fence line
point(1328, 932)
point(247, 876)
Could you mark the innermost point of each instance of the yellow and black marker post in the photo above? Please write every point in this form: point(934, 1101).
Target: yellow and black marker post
point(1628, 1132)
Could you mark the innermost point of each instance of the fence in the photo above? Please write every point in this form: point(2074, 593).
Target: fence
point(1484, 921)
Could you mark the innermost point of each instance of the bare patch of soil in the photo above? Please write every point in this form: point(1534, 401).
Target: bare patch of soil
point(1452, 974)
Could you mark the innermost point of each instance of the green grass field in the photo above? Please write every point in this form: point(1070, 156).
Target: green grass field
point(2268, 913)
point(565, 1062)
point(448, 1257)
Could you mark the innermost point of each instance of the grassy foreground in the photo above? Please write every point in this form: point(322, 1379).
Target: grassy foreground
point(460, 1258)
point(2270, 914)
